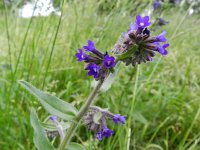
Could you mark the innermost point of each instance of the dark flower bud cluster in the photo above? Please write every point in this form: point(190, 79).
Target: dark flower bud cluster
point(156, 4)
point(176, 2)
point(137, 45)
point(98, 64)
point(162, 22)
point(96, 121)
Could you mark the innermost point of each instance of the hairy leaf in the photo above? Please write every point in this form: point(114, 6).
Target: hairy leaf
point(40, 138)
point(75, 146)
point(52, 104)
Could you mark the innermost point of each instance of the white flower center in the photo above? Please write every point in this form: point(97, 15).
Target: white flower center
point(95, 69)
point(142, 24)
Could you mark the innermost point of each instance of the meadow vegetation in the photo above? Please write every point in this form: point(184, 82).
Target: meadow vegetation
point(161, 99)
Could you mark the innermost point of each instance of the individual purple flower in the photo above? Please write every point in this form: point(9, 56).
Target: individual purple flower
point(118, 118)
point(107, 132)
point(90, 47)
point(109, 61)
point(176, 2)
point(161, 37)
point(93, 70)
point(156, 4)
point(81, 55)
point(99, 136)
point(142, 22)
point(53, 118)
point(162, 48)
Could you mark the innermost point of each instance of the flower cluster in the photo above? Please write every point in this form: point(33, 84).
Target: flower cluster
point(98, 64)
point(158, 3)
point(137, 45)
point(96, 121)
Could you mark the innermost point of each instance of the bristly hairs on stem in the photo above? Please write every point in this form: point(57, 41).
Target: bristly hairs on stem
point(83, 110)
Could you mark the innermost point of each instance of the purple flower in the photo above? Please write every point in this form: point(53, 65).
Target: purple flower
point(176, 2)
point(156, 4)
point(118, 118)
point(93, 70)
point(98, 63)
point(162, 48)
point(99, 136)
point(139, 46)
point(109, 61)
point(53, 118)
point(161, 21)
point(142, 22)
point(161, 37)
point(81, 55)
point(107, 132)
point(90, 47)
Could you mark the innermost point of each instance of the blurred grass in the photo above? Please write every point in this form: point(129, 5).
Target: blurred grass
point(160, 99)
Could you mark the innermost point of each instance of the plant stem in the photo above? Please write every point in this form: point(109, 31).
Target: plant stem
point(81, 113)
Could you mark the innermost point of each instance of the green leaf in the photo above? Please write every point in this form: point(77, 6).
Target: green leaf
point(75, 146)
point(53, 127)
point(139, 117)
point(154, 146)
point(40, 138)
point(52, 104)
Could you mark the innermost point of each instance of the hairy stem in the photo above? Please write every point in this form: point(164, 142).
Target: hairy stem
point(81, 113)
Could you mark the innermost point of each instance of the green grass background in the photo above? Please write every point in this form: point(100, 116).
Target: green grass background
point(161, 98)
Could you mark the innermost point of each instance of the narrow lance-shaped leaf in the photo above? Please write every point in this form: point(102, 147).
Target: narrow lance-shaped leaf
point(40, 138)
point(52, 104)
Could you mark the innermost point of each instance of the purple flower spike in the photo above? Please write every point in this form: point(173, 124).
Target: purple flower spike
point(118, 118)
point(99, 136)
point(93, 70)
point(162, 49)
point(109, 61)
point(81, 55)
point(107, 132)
point(53, 118)
point(142, 22)
point(161, 37)
point(90, 47)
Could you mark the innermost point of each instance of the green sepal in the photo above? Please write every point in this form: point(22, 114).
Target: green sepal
point(127, 54)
